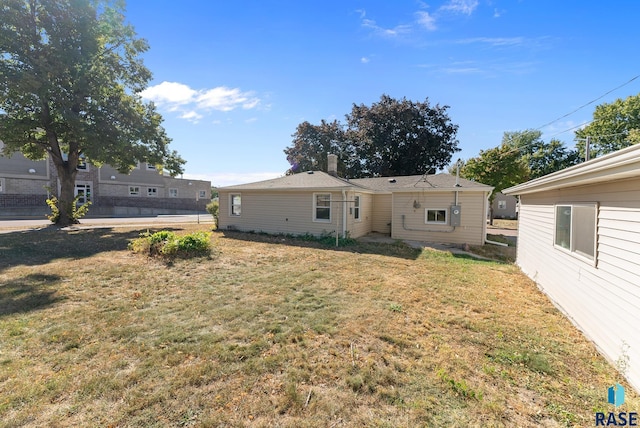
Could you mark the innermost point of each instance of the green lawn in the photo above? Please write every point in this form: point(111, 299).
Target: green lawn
point(272, 331)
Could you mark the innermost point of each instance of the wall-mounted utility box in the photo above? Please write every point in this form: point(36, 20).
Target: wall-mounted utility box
point(455, 215)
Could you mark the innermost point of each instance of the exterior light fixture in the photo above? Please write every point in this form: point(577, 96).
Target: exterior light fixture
point(32, 171)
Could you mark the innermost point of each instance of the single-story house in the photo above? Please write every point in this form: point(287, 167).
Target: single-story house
point(436, 208)
point(25, 185)
point(505, 206)
point(579, 239)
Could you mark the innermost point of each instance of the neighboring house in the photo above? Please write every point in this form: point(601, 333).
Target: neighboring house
point(25, 185)
point(505, 206)
point(420, 207)
point(579, 239)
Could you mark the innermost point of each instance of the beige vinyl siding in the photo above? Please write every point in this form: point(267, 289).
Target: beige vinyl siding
point(363, 226)
point(473, 217)
point(288, 212)
point(381, 213)
point(602, 300)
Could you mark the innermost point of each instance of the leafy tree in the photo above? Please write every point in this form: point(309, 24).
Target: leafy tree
point(312, 143)
point(614, 127)
point(70, 75)
point(500, 167)
point(541, 158)
point(402, 137)
point(391, 137)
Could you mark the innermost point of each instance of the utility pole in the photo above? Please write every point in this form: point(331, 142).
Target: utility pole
point(587, 148)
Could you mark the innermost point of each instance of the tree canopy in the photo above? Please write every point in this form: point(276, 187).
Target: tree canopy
point(70, 74)
point(389, 138)
point(615, 126)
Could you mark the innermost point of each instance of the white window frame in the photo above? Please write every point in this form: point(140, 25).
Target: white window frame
point(571, 250)
point(316, 207)
point(357, 207)
point(173, 193)
point(437, 210)
point(151, 167)
point(134, 190)
point(87, 191)
point(2, 185)
point(202, 194)
point(152, 192)
point(502, 205)
point(235, 209)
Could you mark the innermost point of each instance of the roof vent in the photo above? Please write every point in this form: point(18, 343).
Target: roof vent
point(392, 180)
point(309, 172)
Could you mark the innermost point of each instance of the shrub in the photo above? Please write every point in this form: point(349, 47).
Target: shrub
point(77, 212)
point(213, 208)
point(167, 243)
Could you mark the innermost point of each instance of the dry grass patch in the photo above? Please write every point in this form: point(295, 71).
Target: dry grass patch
point(272, 331)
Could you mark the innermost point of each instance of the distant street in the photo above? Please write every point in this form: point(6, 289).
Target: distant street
point(9, 225)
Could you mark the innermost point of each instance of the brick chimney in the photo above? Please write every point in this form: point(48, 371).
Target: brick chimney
point(332, 164)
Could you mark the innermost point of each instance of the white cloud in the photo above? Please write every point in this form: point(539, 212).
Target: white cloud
point(169, 93)
point(191, 116)
point(386, 32)
point(465, 7)
point(364, 60)
point(426, 20)
point(192, 103)
point(494, 41)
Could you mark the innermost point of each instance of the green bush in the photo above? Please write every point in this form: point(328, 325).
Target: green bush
point(213, 208)
point(168, 244)
point(77, 212)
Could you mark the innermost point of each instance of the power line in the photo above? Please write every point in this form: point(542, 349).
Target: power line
point(589, 103)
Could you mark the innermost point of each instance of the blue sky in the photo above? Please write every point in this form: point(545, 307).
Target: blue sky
point(233, 79)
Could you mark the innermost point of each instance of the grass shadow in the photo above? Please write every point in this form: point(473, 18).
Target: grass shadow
point(28, 293)
point(41, 246)
point(397, 249)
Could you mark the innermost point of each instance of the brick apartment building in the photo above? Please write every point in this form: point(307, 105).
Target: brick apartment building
point(25, 185)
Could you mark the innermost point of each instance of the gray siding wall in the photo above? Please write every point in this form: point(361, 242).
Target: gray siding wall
point(602, 300)
point(279, 212)
point(473, 217)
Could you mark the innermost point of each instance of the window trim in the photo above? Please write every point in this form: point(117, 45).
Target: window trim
point(357, 207)
point(173, 192)
point(202, 194)
point(315, 208)
point(152, 192)
point(572, 250)
point(232, 206)
point(2, 185)
point(502, 205)
point(134, 190)
point(441, 223)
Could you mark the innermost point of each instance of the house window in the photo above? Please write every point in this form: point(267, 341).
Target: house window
point(82, 193)
point(152, 191)
point(575, 229)
point(322, 207)
point(235, 207)
point(202, 194)
point(356, 207)
point(432, 216)
point(82, 164)
point(151, 167)
point(1, 185)
point(134, 191)
point(502, 205)
point(173, 193)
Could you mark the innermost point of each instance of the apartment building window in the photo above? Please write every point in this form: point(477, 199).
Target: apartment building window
point(134, 191)
point(502, 205)
point(202, 194)
point(151, 167)
point(152, 191)
point(173, 193)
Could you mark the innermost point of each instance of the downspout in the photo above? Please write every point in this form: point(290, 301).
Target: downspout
point(344, 213)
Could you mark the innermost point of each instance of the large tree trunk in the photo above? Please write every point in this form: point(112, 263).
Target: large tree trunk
point(67, 176)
